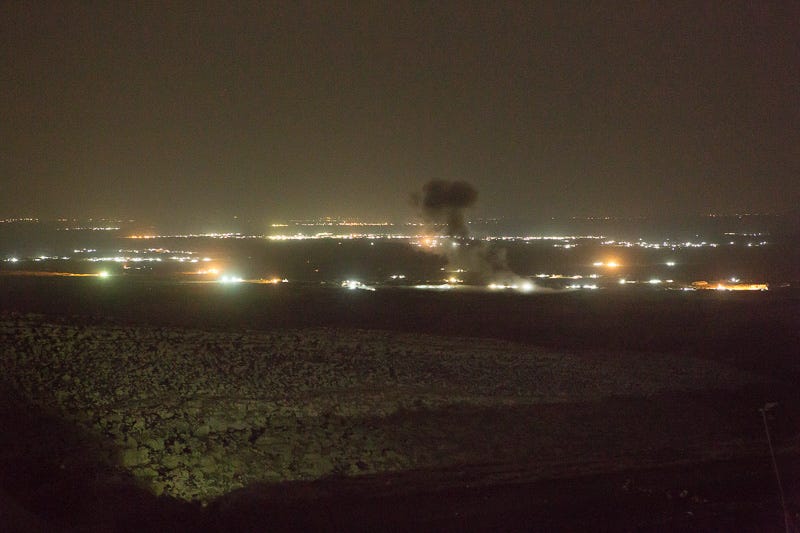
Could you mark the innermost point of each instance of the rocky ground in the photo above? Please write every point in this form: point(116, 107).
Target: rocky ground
point(195, 414)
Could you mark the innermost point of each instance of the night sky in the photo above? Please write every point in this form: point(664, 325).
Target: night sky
point(170, 110)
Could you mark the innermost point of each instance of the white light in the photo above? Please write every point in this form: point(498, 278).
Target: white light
point(622, 281)
point(670, 263)
point(597, 263)
point(103, 274)
point(353, 284)
point(654, 281)
point(526, 287)
point(13, 259)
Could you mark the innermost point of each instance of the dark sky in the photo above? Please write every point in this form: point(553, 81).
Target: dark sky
point(271, 111)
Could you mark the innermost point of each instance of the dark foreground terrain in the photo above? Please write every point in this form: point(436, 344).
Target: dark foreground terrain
point(139, 406)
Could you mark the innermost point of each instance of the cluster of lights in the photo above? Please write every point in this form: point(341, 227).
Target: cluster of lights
point(230, 279)
point(333, 236)
point(428, 242)
point(525, 286)
point(559, 276)
point(18, 220)
point(90, 228)
point(609, 264)
point(124, 259)
point(352, 285)
point(331, 222)
point(733, 284)
point(229, 235)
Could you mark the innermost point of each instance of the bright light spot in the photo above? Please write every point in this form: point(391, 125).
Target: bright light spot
point(597, 263)
point(13, 259)
point(230, 279)
point(734, 280)
point(496, 286)
point(526, 287)
point(443, 286)
point(654, 281)
point(352, 284)
point(670, 263)
point(612, 264)
point(453, 279)
point(103, 274)
point(622, 281)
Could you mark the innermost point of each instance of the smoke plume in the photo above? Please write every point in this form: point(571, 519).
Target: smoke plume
point(445, 202)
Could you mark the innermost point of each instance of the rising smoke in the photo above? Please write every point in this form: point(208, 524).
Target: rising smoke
point(446, 202)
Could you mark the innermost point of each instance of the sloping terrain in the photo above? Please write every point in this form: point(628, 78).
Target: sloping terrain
point(195, 414)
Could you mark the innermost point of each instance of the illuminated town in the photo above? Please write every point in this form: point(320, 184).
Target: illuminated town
point(614, 264)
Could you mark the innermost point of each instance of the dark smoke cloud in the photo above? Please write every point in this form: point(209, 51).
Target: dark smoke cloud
point(445, 202)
